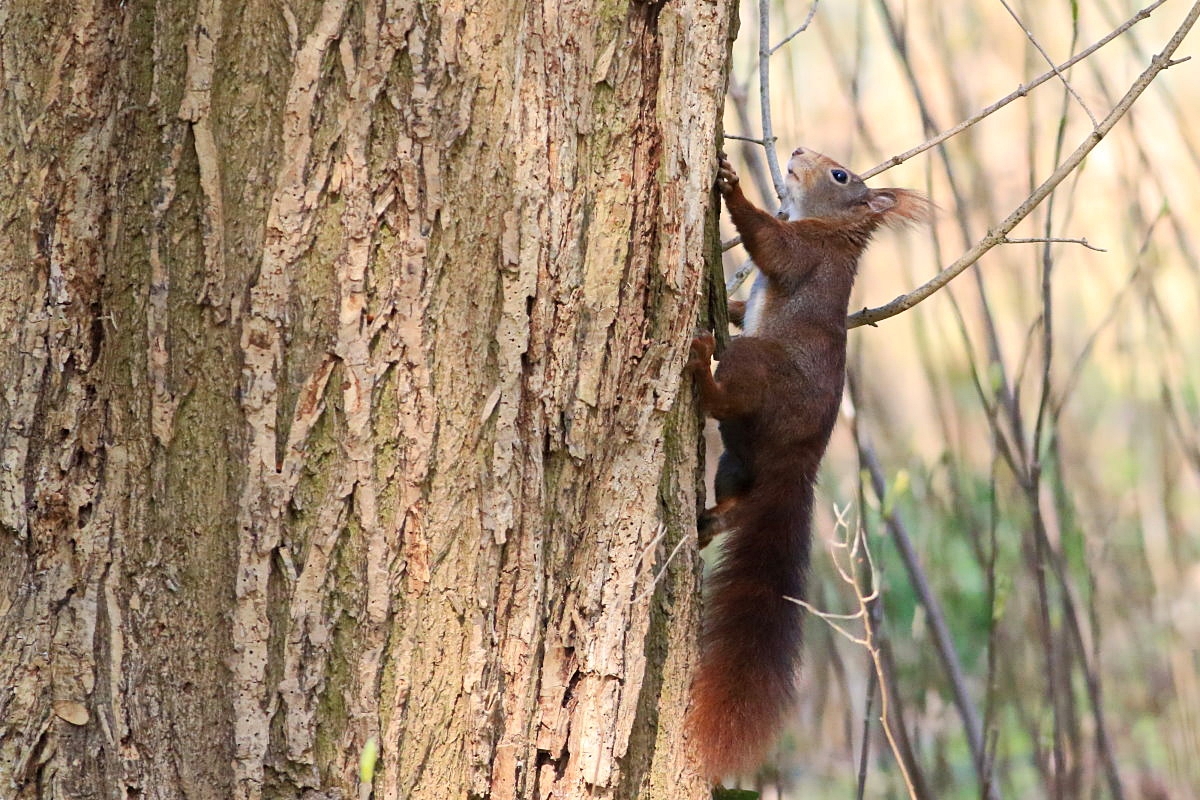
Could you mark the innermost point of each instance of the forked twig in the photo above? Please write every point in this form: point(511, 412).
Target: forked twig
point(653, 587)
point(1056, 70)
point(853, 544)
point(870, 316)
point(1020, 92)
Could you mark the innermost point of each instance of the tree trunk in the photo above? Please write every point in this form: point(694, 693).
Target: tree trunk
point(342, 395)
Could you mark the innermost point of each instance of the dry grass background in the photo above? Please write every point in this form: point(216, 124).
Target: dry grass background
point(1063, 555)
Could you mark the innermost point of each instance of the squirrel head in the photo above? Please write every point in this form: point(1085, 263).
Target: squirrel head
point(819, 187)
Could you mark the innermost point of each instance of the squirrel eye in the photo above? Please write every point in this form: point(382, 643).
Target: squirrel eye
point(839, 175)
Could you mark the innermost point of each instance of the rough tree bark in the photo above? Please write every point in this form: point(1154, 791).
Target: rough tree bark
point(342, 396)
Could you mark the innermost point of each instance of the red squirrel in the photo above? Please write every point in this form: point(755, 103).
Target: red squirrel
point(775, 394)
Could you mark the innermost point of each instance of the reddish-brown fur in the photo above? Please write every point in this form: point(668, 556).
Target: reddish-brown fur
point(776, 394)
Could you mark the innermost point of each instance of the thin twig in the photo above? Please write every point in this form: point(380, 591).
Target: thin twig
point(872, 684)
point(996, 359)
point(989, 699)
point(812, 12)
point(855, 543)
point(1142, 270)
point(940, 630)
point(1052, 239)
point(658, 537)
point(1020, 92)
point(1056, 70)
point(1179, 118)
point(1058, 668)
point(768, 138)
point(658, 577)
point(750, 139)
point(996, 236)
point(752, 156)
point(872, 630)
point(828, 619)
point(764, 92)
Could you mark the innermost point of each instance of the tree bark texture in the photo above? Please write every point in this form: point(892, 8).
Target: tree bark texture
point(342, 395)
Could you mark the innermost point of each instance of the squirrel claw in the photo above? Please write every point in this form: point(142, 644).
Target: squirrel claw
point(703, 347)
point(727, 178)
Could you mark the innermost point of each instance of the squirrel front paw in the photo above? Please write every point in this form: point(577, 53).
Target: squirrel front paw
point(727, 178)
point(703, 347)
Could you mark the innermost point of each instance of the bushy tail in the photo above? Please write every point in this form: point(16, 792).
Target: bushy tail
point(751, 640)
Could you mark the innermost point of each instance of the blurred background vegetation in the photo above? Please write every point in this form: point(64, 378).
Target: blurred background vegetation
point(1035, 425)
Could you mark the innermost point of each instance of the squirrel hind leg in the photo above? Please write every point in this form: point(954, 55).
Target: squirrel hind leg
point(712, 522)
point(732, 481)
point(733, 476)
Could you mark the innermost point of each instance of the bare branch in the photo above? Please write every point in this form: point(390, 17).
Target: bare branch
point(1057, 71)
point(998, 235)
point(1021, 91)
point(764, 92)
point(753, 156)
point(938, 627)
point(768, 139)
point(853, 543)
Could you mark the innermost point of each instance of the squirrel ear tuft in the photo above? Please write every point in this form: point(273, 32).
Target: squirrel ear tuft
point(901, 205)
point(881, 201)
